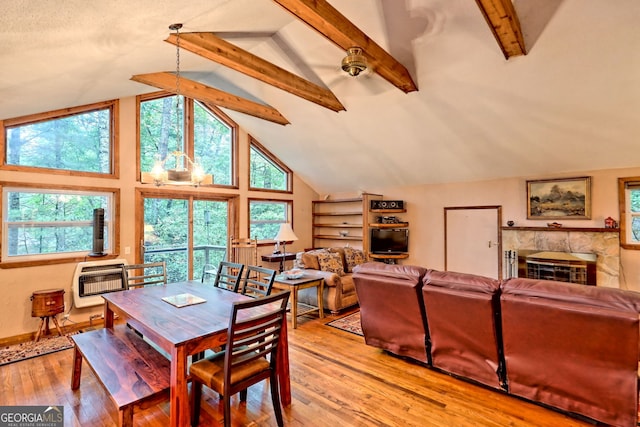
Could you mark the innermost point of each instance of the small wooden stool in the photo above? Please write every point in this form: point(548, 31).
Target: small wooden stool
point(47, 304)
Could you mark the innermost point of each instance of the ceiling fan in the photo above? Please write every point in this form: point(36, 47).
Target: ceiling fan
point(325, 19)
point(317, 14)
point(351, 75)
point(355, 62)
point(362, 53)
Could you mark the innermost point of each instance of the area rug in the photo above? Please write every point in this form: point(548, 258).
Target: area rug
point(349, 323)
point(30, 349)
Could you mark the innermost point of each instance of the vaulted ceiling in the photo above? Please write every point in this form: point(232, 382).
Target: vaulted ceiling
point(482, 109)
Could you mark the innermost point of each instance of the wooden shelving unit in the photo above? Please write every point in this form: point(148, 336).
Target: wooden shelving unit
point(332, 237)
point(337, 222)
point(393, 225)
point(387, 210)
point(389, 258)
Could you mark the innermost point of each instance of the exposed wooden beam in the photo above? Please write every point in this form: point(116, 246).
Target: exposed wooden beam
point(209, 46)
point(505, 26)
point(325, 19)
point(192, 89)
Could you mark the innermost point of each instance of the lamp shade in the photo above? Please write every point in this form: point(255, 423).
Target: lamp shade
point(285, 233)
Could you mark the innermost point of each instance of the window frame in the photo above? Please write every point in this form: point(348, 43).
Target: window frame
point(62, 258)
point(626, 216)
point(113, 106)
point(288, 218)
point(190, 195)
point(189, 138)
point(253, 143)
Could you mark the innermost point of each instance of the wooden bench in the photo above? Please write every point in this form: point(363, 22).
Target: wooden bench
point(133, 373)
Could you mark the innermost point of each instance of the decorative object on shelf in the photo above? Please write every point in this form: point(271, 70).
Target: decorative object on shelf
point(554, 225)
point(186, 171)
point(355, 62)
point(388, 220)
point(387, 204)
point(566, 198)
point(285, 234)
point(610, 223)
point(510, 223)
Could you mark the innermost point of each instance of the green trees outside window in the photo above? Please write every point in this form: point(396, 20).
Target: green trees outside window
point(50, 222)
point(266, 172)
point(265, 217)
point(78, 141)
point(213, 145)
point(167, 236)
point(162, 131)
point(629, 197)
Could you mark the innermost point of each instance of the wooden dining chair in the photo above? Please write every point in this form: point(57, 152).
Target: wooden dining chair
point(228, 276)
point(146, 274)
point(251, 355)
point(257, 281)
point(209, 272)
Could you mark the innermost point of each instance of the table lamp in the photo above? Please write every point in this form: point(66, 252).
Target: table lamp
point(285, 234)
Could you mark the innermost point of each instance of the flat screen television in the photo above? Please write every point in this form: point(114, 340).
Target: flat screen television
point(389, 240)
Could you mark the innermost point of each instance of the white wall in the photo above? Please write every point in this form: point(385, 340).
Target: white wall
point(426, 203)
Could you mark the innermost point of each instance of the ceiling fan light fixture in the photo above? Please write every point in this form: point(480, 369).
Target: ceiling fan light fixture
point(355, 62)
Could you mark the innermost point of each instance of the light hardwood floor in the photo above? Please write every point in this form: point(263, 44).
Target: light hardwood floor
point(336, 380)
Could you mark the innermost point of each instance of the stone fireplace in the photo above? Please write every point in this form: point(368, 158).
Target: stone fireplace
point(604, 243)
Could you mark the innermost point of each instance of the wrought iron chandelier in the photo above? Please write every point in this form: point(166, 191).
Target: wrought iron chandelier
point(186, 170)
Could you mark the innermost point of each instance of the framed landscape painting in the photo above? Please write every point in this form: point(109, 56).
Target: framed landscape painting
point(567, 198)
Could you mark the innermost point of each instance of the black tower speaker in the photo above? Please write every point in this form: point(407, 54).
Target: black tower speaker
point(98, 232)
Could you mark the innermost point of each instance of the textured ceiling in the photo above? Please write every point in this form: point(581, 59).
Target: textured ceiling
point(571, 104)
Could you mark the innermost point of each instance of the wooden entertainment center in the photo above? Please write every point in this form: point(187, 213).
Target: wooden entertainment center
point(348, 221)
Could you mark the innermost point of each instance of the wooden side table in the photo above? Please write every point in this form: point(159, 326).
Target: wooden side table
point(281, 258)
point(308, 280)
point(47, 304)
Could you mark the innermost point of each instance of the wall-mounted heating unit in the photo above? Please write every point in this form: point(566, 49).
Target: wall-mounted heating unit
point(94, 278)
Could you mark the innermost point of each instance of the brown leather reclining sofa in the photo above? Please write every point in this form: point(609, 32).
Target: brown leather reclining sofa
point(572, 347)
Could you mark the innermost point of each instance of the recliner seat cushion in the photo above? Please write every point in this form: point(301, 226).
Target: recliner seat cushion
point(464, 328)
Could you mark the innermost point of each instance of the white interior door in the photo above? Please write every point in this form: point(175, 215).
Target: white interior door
point(473, 240)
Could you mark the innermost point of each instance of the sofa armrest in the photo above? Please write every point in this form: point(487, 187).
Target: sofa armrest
point(330, 279)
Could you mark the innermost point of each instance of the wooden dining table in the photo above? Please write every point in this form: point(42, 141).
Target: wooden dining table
point(184, 331)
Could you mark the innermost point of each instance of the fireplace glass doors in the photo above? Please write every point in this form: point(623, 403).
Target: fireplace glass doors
point(559, 266)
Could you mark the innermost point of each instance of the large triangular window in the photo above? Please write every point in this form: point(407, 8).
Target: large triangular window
point(266, 172)
point(203, 132)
